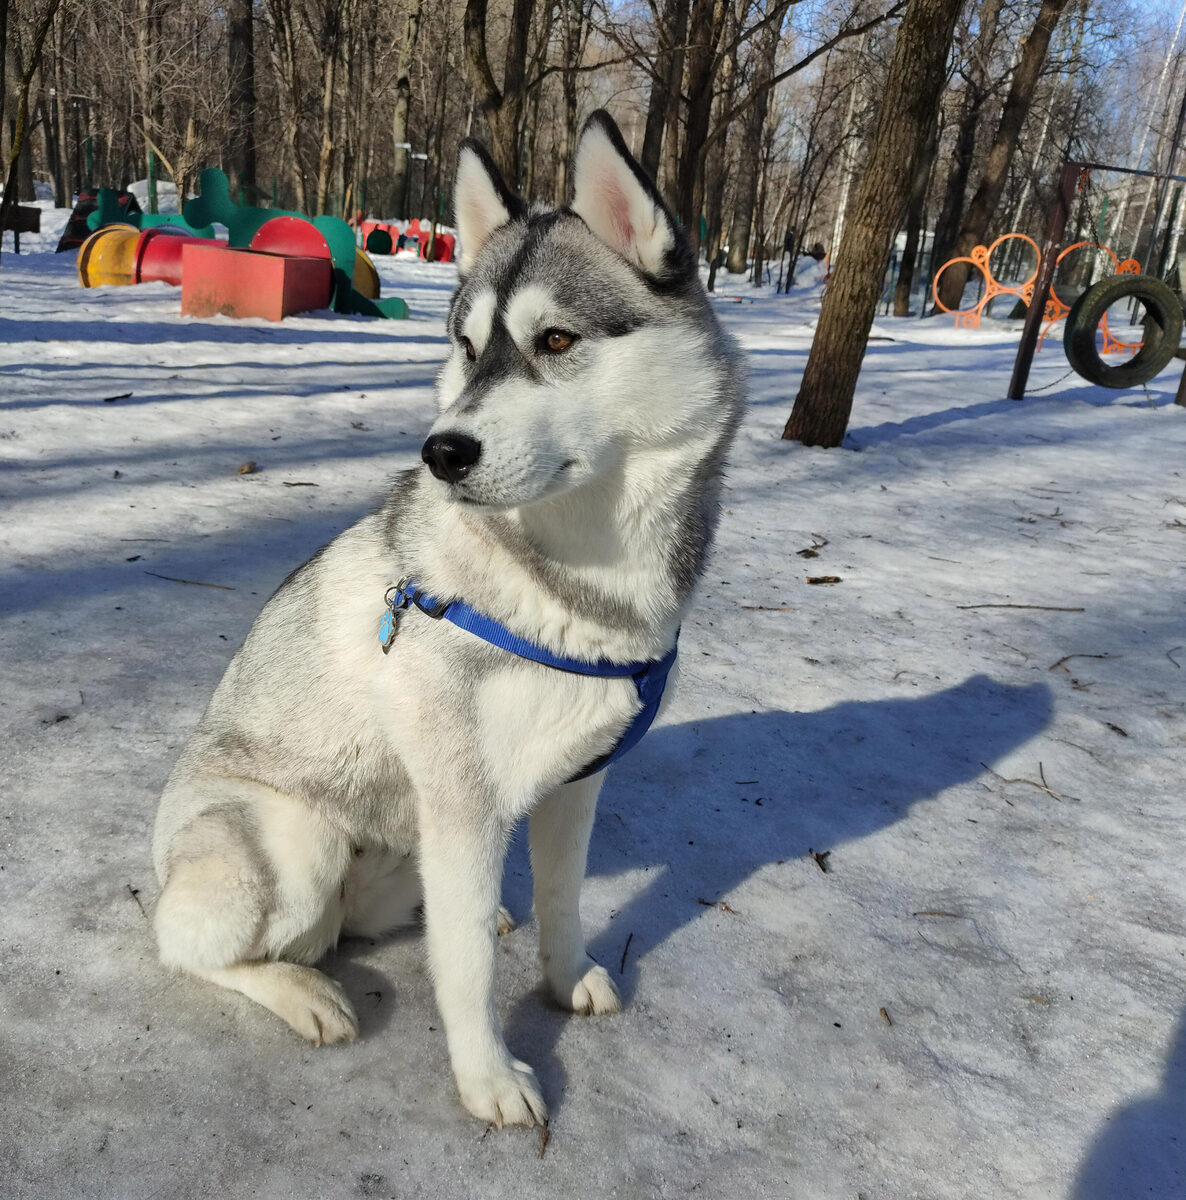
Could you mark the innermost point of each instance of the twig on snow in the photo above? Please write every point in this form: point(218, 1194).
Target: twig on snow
point(1042, 787)
point(135, 894)
point(192, 582)
point(1040, 607)
point(1170, 655)
point(1066, 658)
point(625, 950)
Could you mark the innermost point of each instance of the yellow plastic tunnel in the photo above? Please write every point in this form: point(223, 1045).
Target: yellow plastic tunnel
point(366, 278)
point(108, 257)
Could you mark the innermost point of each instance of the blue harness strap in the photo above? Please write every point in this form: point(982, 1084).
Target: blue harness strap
point(650, 677)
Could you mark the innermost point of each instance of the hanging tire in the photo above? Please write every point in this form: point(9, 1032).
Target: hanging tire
point(1163, 330)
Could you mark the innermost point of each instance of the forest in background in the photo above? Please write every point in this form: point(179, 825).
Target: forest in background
point(756, 116)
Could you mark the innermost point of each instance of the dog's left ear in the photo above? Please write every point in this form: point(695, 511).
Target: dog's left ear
point(482, 202)
point(614, 197)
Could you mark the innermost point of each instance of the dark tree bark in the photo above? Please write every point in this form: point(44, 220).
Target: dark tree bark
point(908, 112)
point(403, 98)
point(700, 60)
point(974, 228)
point(919, 187)
point(501, 106)
point(574, 34)
point(749, 158)
point(665, 86)
point(976, 92)
point(25, 70)
point(715, 170)
point(241, 54)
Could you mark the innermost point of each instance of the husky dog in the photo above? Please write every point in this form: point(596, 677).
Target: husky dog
point(570, 492)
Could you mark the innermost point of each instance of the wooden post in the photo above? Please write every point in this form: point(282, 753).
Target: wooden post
point(1036, 312)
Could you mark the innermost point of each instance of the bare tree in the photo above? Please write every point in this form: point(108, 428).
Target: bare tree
point(501, 106)
point(27, 61)
point(983, 205)
point(241, 43)
point(399, 119)
point(908, 112)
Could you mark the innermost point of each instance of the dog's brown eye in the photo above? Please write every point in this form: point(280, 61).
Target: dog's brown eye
point(556, 341)
point(470, 352)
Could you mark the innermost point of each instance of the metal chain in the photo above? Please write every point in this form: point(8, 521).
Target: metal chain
point(1047, 386)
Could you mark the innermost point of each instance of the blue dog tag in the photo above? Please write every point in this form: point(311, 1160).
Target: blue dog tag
point(387, 628)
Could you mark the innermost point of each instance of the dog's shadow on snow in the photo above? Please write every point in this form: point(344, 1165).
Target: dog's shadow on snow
point(1141, 1150)
point(704, 804)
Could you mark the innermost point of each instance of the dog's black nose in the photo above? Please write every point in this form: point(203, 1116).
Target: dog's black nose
point(450, 455)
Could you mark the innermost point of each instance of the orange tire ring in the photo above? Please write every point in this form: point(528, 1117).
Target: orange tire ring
point(1056, 307)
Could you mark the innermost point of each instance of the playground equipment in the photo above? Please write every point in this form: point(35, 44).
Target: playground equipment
point(1162, 330)
point(1073, 174)
point(112, 207)
point(274, 263)
point(247, 283)
point(1056, 308)
point(244, 223)
point(159, 254)
point(108, 257)
point(127, 212)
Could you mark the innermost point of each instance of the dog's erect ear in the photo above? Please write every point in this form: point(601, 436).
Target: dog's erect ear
point(481, 201)
point(614, 197)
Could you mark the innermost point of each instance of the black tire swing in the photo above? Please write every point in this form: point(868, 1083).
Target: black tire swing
point(1163, 330)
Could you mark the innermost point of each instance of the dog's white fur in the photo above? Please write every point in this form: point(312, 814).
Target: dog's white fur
point(433, 752)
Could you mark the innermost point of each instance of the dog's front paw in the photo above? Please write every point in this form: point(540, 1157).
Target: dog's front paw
point(591, 994)
point(508, 1096)
point(312, 1003)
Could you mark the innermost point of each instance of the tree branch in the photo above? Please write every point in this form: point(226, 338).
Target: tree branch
point(841, 35)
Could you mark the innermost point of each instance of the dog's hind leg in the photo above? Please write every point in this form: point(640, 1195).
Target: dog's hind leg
point(559, 838)
point(252, 892)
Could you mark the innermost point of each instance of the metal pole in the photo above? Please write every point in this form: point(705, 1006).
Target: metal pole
point(1036, 312)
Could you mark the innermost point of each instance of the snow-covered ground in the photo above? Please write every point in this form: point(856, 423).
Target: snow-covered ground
point(980, 732)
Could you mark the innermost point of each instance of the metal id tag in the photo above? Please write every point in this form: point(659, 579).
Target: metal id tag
point(388, 627)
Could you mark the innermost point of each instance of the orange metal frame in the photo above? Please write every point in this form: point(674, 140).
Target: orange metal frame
point(1056, 308)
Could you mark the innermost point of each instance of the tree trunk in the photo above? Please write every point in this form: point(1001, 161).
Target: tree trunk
point(908, 112)
point(62, 197)
point(974, 228)
point(976, 92)
point(671, 34)
point(919, 187)
point(751, 149)
point(241, 100)
point(330, 45)
point(704, 31)
point(399, 121)
point(24, 72)
point(574, 20)
point(502, 107)
point(715, 170)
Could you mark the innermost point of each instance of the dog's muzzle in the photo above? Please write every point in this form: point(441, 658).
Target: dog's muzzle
point(450, 455)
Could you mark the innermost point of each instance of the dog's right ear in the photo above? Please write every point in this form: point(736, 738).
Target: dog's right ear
point(481, 201)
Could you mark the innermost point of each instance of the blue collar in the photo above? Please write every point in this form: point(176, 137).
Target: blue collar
point(650, 677)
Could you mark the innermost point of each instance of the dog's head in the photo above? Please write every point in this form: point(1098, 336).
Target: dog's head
point(579, 334)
